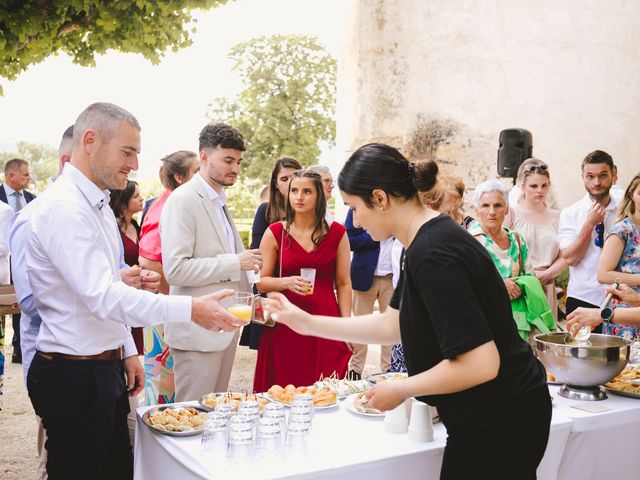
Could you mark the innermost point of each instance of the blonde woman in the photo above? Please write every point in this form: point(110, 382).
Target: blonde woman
point(532, 218)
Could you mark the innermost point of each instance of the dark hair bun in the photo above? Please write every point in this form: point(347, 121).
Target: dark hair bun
point(426, 175)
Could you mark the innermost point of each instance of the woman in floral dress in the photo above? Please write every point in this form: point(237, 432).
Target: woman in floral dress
point(620, 259)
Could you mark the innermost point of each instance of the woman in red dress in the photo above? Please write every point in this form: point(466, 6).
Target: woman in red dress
point(304, 240)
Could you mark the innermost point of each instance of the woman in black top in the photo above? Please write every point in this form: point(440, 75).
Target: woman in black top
point(453, 315)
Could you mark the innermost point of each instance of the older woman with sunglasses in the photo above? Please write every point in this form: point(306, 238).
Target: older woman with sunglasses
point(532, 218)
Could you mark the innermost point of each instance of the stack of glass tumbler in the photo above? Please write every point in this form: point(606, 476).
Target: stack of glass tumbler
point(246, 435)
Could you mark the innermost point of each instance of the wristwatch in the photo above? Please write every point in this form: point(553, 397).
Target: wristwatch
point(606, 314)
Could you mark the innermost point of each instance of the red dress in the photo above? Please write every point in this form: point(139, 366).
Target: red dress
point(284, 356)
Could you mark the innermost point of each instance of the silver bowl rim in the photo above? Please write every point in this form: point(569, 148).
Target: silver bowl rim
point(627, 343)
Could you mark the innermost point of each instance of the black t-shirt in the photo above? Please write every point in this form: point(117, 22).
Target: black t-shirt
point(454, 300)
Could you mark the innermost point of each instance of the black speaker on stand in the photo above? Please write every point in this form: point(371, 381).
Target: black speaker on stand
point(516, 145)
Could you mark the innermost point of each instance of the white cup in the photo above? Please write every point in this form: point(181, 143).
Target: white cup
point(421, 425)
point(396, 421)
point(309, 274)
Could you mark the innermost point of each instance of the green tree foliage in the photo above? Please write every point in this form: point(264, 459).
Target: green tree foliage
point(43, 159)
point(32, 30)
point(287, 105)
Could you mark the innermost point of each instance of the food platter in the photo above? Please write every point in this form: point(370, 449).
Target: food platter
point(622, 393)
point(158, 419)
point(626, 383)
point(342, 387)
point(288, 404)
point(352, 402)
point(382, 376)
point(210, 400)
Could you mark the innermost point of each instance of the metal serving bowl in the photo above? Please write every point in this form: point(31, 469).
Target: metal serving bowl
point(582, 368)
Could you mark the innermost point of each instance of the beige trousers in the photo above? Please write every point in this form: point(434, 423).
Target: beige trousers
point(41, 472)
point(199, 373)
point(363, 302)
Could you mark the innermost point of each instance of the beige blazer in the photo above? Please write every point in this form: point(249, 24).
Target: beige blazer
point(197, 260)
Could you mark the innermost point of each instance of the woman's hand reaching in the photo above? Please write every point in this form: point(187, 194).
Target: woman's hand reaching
point(287, 313)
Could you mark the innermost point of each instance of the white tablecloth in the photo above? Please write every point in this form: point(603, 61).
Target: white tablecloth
point(344, 446)
point(601, 445)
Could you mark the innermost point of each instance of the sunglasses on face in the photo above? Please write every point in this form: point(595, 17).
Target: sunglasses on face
point(599, 240)
point(536, 168)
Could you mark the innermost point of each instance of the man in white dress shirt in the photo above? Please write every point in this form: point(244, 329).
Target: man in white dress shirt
point(583, 229)
point(77, 380)
point(13, 192)
point(202, 253)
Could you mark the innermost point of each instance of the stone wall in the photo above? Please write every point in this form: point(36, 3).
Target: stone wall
point(449, 75)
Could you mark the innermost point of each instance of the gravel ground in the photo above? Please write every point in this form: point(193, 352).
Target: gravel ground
point(18, 459)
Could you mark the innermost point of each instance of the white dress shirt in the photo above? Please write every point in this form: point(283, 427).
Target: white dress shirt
point(219, 200)
point(583, 281)
point(6, 214)
point(11, 198)
point(396, 254)
point(72, 260)
point(384, 265)
point(30, 318)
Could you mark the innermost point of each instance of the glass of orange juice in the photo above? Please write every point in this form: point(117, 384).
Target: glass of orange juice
point(241, 306)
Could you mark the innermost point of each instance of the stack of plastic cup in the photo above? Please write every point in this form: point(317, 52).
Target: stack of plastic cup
point(421, 424)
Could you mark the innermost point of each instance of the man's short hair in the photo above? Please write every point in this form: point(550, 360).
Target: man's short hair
point(221, 135)
point(66, 143)
point(320, 169)
point(14, 165)
point(598, 156)
point(104, 118)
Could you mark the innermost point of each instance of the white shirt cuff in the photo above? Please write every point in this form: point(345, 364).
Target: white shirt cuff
point(178, 308)
point(130, 349)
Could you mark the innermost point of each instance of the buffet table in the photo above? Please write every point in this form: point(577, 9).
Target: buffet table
point(344, 445)
point(601, 445)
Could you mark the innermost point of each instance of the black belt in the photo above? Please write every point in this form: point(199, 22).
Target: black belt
point(115, 354)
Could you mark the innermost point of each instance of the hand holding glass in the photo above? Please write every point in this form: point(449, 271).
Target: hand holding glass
point(242, 306)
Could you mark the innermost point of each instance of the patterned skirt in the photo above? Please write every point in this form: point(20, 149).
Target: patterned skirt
point(158, 366)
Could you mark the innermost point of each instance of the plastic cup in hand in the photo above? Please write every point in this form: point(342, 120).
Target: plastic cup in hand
point(421, 423)
point(253, 276)
point(396, 421)
point(309, 274)
point(241, 306)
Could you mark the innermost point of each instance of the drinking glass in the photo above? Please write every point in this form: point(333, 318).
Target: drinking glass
point(241, 439)
point(297, 443)
point(269, 439)
point(241, 306)
point(214, 435)
point(228, 410)
point(276, 410)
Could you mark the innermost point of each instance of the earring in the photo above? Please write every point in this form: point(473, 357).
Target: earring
point(383, 212)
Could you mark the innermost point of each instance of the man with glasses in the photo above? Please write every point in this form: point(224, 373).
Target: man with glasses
point(327, 185)
point(582, 232)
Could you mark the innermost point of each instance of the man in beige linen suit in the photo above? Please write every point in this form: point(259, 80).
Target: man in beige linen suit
point(202, 252)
